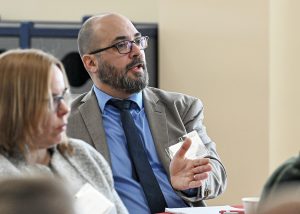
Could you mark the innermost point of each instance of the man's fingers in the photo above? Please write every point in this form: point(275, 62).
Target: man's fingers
point(203, 168)
point(201, 176)
point(195, 184)
point(183, 149)
point(200, 161)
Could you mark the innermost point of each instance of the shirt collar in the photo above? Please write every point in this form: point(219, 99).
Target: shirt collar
point(103, 98)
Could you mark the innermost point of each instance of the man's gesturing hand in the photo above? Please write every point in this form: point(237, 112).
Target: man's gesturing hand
point(186, 173)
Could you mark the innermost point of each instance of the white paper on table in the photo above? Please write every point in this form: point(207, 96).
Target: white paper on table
point(90, 201)
point(202, 210)
point(196, 150)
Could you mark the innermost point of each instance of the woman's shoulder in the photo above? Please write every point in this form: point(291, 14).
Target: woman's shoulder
point(77, 143)
point(88, 158)
point(8, 166)
point(4, 161)
point(85, 150)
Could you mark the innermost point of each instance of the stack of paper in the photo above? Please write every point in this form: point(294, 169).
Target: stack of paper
point(90, 201)
point(203, 210)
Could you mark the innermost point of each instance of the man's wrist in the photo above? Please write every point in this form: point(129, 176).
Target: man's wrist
point(191, 192)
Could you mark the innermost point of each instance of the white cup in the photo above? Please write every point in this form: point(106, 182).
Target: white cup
point(250, 204)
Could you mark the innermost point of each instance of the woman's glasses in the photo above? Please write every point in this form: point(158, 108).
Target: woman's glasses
point(57, 99)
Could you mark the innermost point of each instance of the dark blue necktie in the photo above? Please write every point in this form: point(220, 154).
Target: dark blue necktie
point(143, 170)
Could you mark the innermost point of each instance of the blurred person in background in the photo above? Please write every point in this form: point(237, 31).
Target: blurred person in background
point(281, 192)
point(35, 196)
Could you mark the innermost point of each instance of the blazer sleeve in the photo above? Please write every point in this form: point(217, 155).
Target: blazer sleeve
point(192, 117)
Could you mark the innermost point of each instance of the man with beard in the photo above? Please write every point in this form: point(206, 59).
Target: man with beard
point(112, 51)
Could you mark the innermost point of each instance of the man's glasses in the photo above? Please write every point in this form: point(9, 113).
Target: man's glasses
point(125, 47)
point(56, 99)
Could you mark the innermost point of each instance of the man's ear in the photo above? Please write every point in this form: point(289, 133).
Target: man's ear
point(90, 63)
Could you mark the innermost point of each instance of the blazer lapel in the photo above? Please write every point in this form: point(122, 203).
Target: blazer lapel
point(92, 117)
point(156, 116)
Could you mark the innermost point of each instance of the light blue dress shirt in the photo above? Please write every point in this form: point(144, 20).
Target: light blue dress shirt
point(129, 189)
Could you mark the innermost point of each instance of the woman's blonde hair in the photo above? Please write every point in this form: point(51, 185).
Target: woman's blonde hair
point(24, 97)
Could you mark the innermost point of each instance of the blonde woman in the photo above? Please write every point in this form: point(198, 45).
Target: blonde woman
point(33, 119)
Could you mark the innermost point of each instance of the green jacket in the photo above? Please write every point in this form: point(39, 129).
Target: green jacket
point(285, 175)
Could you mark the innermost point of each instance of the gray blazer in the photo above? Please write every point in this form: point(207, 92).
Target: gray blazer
point(170, 115)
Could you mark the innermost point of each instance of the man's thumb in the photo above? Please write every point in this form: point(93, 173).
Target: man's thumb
point(183, 149)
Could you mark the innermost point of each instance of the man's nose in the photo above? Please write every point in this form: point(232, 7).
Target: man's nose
point(135, 50)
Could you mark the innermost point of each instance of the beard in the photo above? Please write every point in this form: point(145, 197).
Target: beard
point(119, 80)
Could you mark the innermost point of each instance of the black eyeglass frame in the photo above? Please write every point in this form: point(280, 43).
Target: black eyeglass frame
point(116, 45)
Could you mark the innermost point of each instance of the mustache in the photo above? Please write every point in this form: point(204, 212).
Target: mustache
point(135, 62)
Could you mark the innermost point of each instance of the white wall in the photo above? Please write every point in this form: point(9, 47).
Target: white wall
point(284, 79)
point(222, 57)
